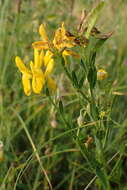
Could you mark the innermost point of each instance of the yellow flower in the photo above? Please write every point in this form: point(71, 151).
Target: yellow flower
point(40, 71)
point(44, 43)
point(101, 74)
point(102, 114)
point(26, 75)
point(62, 40)
point(38, 79)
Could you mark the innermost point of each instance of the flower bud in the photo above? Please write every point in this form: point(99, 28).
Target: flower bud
point(53, 123)
point(102, 114)
point(101, 74)
point(80, 120)
point(89, 141)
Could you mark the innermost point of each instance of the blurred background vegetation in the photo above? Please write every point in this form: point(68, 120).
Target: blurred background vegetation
point(67, 170)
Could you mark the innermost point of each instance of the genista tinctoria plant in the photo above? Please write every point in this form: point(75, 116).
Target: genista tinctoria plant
point(38, 76)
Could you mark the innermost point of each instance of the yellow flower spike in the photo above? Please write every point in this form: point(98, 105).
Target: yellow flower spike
point(49, 68)
point(43, 33)
point(37, 79)
point(101, 74)
point(52, 84)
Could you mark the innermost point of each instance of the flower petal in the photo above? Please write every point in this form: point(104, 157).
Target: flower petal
point(26, 84)
point(58, 38)
point(47, 57)
point(70, 52)
point(37, 84)
point(43, 33)
point(36, 58)
point(49, 68)
point(40, 45)
point(37, 79)
point(41, 58)
point(21, 66)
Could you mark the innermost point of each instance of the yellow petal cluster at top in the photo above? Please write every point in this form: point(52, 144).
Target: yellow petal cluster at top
point(61, 42)
point(39, 72)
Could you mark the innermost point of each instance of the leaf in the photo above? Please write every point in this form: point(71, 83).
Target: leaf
point(103, 178)
point(99, 150)
point(84, 66)
point(92, 58)
point(92, 77)
point(47, 92)
point(94, 111)
point(92, 18)
point(61, 107)
point(82, 81)
point(74, 79)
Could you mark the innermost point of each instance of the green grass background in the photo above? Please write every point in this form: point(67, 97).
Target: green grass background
point(33, 120)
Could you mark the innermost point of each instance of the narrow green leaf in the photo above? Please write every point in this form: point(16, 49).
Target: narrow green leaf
point(92, 58)
point(92, 77)
point(82, 81)
point(61, 107)
point(74, 79)
point(47, 92)
point(94, 111)
point(103, 178)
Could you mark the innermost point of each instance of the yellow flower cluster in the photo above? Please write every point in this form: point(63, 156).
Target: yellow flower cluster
point(38, 75)
point(40, 70)
point(61, 42)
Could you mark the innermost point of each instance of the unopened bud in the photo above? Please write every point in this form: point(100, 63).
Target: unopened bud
point(89, 141)
point(102, 114)
point(80, 120)
point(53, 123)
point(101, 74)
